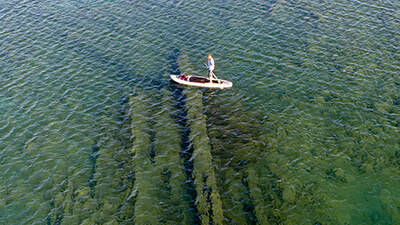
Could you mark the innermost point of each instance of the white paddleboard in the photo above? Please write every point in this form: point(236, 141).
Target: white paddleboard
point(198, 81)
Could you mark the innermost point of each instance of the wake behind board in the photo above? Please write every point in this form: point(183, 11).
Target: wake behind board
point(198, 81)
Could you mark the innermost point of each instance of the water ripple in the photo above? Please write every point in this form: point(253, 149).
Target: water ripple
point(312, 120)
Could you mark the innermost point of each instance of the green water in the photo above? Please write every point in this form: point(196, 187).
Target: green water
point(93, 132)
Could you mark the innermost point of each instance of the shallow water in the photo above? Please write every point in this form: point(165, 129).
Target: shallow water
point(93, 131)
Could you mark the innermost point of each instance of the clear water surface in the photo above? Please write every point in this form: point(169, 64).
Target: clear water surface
point(92, 131)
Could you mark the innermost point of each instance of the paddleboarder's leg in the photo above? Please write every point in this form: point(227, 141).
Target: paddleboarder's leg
point(210, 76)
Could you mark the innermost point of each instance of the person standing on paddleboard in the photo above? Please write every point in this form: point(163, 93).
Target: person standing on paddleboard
point(211, 67)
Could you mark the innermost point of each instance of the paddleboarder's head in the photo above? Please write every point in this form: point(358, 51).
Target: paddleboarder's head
point(209, 56)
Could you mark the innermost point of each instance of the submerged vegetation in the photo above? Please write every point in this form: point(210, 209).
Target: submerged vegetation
point(208, 201)
point(92, 132)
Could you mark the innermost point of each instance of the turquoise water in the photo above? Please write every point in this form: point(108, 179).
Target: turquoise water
point(93, 132)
